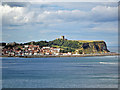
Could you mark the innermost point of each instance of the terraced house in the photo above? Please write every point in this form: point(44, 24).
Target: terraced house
point(30, 50)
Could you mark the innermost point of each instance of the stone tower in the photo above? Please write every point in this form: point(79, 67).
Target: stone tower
point(62, 37)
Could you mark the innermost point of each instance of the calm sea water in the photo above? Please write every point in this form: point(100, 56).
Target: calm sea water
point(65, 72)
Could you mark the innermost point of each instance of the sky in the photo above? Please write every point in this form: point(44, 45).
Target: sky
point(36, 21)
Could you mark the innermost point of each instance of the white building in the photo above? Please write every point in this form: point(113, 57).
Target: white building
point(46, 47)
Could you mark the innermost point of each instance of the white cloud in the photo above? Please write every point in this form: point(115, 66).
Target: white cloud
point(15, 15)
point(60, 0)
point(104, 13)
point(25, 15)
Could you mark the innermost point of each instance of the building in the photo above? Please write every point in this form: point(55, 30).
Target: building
point(62, 37)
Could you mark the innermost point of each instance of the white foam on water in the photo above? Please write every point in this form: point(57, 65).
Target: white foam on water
point(107, 63)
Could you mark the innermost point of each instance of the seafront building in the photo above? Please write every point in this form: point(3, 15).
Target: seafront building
point(30, 50)
point(27, 50)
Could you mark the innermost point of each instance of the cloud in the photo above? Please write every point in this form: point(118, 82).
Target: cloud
point(61, 16)
point(16, 4)
point(17, 15)
point(105, 13)
point(73, 1)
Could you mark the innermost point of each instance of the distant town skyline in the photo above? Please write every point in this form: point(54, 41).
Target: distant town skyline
point(25, 22)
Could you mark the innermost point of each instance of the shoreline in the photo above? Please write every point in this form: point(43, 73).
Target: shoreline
point(82, 55)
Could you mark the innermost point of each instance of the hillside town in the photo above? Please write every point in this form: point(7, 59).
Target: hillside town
point(30, 50)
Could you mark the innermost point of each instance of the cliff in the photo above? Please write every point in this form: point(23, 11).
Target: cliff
point(88, 47)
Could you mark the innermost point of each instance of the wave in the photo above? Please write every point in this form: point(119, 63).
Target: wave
point(107, 63)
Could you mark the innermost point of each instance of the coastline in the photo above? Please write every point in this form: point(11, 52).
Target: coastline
point(82, 55)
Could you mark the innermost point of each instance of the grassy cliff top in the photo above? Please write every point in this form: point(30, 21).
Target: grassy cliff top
point(88, 41)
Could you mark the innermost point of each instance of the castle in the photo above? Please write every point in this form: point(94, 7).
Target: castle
point(62, 37)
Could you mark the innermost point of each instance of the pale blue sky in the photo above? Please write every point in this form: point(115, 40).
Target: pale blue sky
point(24, 22)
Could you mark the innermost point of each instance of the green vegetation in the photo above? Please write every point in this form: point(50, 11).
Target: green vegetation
point(40, 43)
point(65, 45)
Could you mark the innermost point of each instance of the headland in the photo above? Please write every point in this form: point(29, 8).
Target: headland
point(60, 47)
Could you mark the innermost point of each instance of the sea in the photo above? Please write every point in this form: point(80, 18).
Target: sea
point(61, 72)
